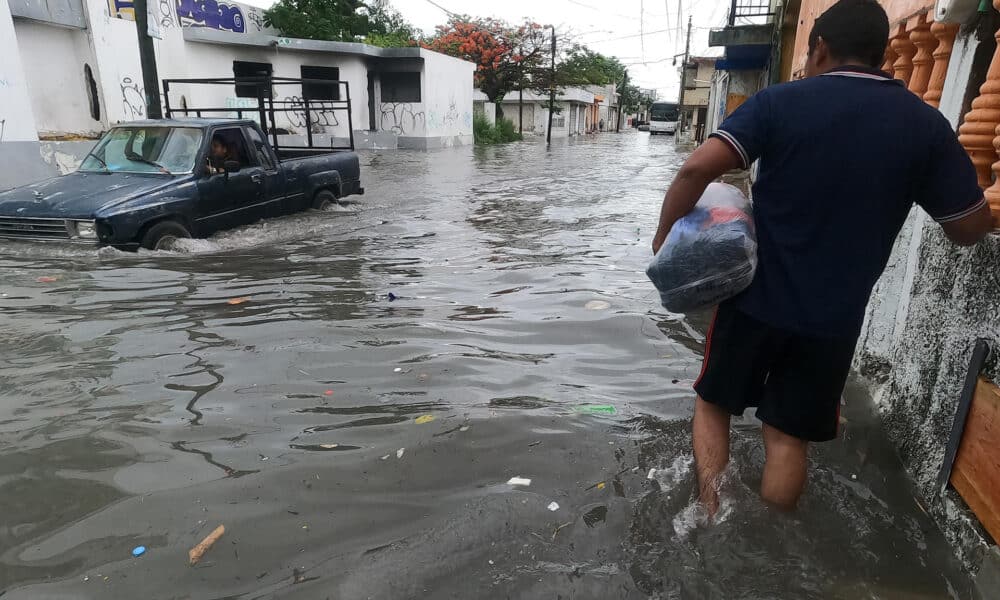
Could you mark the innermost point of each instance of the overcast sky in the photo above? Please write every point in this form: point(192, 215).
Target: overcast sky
point(646, 44)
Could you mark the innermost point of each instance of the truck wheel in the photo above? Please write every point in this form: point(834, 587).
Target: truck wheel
point(163, 235)
point(324, 199)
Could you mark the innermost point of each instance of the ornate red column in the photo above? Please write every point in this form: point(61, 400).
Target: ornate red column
point(978, 132)
point(923, 61)
point(890, 58)
point(945, 34)
point(904, 49)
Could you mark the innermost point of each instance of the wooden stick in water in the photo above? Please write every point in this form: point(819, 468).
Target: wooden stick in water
point(195, 554)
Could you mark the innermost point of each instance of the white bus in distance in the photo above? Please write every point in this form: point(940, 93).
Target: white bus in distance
point(663, 118)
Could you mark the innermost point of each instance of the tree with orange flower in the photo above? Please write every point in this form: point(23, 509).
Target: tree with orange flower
point(504, 54)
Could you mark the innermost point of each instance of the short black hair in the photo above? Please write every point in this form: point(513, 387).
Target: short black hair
point(853, 30)
point(218, 139)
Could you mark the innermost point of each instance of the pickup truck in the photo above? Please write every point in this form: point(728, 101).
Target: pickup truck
point(147, 183)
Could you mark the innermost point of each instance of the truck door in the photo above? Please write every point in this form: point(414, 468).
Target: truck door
point(230, 199)
point(273, 190)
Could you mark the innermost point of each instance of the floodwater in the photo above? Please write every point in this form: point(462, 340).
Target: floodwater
point(140, 406)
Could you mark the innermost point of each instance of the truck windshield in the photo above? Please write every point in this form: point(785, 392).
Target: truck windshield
point(145, 150)
point(663, 112)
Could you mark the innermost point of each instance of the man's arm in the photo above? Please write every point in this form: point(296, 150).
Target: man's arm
point(706, 164)
point(969, 229)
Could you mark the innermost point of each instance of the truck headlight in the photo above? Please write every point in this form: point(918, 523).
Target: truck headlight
point(85, 229)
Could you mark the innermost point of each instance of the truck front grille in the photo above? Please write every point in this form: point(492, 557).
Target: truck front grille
point(34, 229)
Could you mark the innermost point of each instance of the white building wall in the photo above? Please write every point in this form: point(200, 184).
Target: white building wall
point(17, 121)
point(54, 59)
point(182, 59)
point(447, 87)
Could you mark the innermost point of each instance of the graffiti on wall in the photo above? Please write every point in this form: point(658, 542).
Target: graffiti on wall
point(133, 100)
point(211, 14)
point(250, 103)
point(402, 119)
point(224, 16)
point(320, 115)
point(450, 119)
point(166, 16)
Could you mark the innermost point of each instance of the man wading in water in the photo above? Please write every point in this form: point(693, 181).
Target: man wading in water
point(844, 154)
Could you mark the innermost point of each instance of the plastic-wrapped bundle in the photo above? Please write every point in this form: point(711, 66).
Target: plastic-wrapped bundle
point(710, 254)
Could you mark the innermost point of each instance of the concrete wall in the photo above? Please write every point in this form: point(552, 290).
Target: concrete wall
point(178, 58)
point(27, 162)
point(17, 121)
point(487, 109)
point(447, 95)
point(933, 301)
point(54, 60)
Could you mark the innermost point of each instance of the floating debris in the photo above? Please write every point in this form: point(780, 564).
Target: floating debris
point(554, 506)
point(597, 409)
point(596, 515)
point(424, 419)
point(328, 393)
point(463, 428)
point(195, 554)
point(328, 446)
point(399, 453)
point(386, 457)
point(47, 279)
point(519, 481)
point(397, 370)
point(600, 485)
point(235, 301)
point(392, 297)
point(597, 305)
point(138, 551)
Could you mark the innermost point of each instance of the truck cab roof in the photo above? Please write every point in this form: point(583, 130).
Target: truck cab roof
point(200, 123)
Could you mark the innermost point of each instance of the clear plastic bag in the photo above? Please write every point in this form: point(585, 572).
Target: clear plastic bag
point(710, 254)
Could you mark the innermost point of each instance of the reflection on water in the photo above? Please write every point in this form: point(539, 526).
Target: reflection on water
point(497, 290)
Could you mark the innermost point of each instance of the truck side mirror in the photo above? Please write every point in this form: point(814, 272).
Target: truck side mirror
point(231, 166)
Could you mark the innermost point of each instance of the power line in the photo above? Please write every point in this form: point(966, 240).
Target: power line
point(642, 29)
point(657, 31)
point(435, 4)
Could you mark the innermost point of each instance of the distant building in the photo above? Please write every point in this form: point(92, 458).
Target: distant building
point(573, 115)
point(698, 75)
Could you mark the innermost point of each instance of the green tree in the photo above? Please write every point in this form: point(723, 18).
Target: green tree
point(387, 27)
point(375, 22)
point(582, 66)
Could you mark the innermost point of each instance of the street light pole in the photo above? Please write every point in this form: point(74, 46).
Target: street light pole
point(552, 87)
point(147, 59)
point(684, 72)
point(621, 102)
point(520, 94)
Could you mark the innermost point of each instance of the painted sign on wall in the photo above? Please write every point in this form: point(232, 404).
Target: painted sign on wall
point(224, 16)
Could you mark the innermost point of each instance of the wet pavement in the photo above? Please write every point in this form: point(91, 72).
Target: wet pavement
point(264, 380)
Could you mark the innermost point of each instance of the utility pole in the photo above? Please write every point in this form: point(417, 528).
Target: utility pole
point(147, 58)
point(520, 94)
point(684, 72)
point(552, 88)
point(621, 102)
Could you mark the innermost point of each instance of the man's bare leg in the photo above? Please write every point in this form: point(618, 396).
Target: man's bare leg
point(711, 450)
point(784, 469)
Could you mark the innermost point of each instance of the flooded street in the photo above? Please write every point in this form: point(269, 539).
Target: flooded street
point(350, 392)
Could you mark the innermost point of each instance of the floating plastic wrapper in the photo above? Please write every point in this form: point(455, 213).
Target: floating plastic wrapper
point(710, 254)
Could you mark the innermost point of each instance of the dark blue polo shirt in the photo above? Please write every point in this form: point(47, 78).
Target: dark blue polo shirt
point(843, 157)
